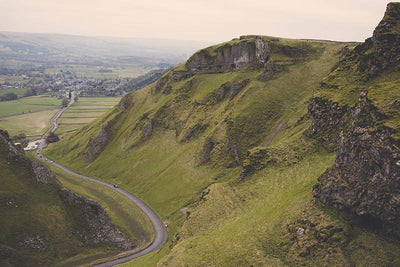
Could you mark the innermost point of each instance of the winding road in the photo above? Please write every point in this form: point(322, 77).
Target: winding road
point(160, 231)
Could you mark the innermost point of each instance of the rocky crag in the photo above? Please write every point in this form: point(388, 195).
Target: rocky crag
point(380, 52)
point(231, 56)
point(365, 178)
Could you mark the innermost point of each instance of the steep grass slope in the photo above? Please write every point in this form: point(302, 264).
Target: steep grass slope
point(219, 148)
point(42, 223)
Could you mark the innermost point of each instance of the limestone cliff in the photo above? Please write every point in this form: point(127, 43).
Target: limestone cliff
point(230, 57)
point(365, 178)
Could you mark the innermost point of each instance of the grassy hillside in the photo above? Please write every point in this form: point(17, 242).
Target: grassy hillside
point(125, 215)
point(182, 144)
point(38, 226)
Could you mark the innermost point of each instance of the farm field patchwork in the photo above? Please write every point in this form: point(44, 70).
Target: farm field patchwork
point(28, 104)
point(84, 111)
point(31, 124)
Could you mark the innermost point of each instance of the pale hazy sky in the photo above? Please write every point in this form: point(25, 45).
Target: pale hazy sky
point(205, 20)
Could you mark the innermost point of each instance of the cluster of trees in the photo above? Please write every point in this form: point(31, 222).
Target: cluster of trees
point(13, 96)
point(8, 97)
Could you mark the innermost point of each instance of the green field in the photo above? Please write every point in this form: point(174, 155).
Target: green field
point(31, 124)
point(84, 111)
point(18, 91)
point(28, 104)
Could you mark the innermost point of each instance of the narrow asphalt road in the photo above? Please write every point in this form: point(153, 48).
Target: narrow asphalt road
point(160, 231)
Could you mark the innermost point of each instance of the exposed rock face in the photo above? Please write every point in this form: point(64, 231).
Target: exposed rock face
point(42, 174)
point(36, 242)
point(315, 235)
point(123, 103)
point(328, 118)
point(52, 138)
point(100, 141)
point(230, 57)
point(237, 87)
point(228, 88)
point(205, 154)
point(148, 128)
point(232, 151)
point(382, 51)
point(178, 76)
point(269, 70)
point(365, 178)
point(160, 84)
point(193, 131)
point(96, 222)
point(5, 138)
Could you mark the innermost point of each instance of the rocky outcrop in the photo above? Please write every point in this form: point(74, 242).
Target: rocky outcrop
point(228, 88)
point(269, 70)
point(194, 131)
point(181, 75)
point(382, 51)
point(148, 128)
point(42, 174)
point(52, 138)
point(160, 84)
point(365, 178)
point(314, 234)
point(97, 144)
point(35, 242)
point(205, 154)
point(97, 226)
point(237, 87)
point(124, 103)
point(328, 118)
point(5, 139)
point(231, 56)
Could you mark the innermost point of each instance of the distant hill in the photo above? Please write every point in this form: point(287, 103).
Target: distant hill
point(70, 49)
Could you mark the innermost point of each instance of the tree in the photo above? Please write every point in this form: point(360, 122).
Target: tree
point(8, 97)
point(65, 102)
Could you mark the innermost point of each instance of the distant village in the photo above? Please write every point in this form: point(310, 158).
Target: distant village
point(60, 83)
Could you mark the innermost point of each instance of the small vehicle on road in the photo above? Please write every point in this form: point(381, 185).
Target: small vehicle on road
point(115, 186)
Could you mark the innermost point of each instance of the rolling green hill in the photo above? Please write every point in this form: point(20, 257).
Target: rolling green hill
point(230, 147)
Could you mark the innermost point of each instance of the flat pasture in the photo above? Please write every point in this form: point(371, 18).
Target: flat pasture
point(84, 111)
point(28, 105)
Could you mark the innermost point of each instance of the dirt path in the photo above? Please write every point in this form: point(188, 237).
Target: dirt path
point(276, 131)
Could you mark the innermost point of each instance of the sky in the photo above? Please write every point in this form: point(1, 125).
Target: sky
point(202, 20)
